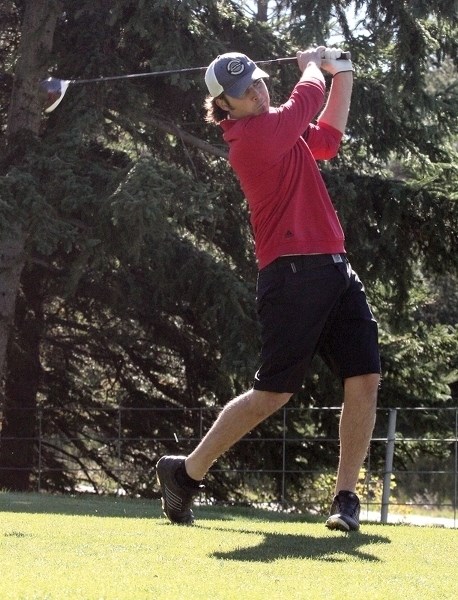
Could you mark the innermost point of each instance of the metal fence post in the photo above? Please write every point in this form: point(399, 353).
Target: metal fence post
point(283, 470)
point(390, 440)
point(40, 436)
point(119, 448)
point(455, 475)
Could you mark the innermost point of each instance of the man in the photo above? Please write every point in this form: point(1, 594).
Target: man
point(308, 297)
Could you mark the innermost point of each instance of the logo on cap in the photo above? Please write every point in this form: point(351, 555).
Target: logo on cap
point(235, 67)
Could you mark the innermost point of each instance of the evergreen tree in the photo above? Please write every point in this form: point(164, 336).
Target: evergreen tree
point(137, 287)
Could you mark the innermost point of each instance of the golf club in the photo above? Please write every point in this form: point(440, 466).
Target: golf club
point(54, 89)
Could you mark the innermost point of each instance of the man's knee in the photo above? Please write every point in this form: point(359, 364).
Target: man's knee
point(266, 403)
point(362, 388)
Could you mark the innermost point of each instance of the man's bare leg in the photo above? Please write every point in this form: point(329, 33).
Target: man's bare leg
point(236, 419)
point(179, 476)
point(356, 427)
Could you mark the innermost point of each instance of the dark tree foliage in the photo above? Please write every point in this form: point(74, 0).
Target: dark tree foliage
point(136, 306)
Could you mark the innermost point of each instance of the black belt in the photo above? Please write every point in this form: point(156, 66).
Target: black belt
point(304, 261)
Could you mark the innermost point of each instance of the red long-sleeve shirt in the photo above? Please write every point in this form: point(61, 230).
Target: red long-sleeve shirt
point(275, 161)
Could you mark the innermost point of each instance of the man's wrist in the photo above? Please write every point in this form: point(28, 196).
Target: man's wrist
point(312, 72)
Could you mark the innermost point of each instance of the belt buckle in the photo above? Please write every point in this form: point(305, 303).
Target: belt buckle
point(336, 258)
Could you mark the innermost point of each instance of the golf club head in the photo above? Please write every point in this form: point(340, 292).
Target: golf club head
point(53, 91)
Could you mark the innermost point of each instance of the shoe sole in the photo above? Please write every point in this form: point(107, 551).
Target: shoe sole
point(337, 523)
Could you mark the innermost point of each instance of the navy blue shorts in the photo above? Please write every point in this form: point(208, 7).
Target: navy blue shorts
point(308, 305)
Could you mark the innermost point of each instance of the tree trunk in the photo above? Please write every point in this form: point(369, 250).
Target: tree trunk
point(24, 117)
point(262, 11)
point(11, 264)
point(24, 371)
point(37, 33)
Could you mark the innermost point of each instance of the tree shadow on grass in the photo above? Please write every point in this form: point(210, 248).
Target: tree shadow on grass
point(333, 548)
point(83, 505)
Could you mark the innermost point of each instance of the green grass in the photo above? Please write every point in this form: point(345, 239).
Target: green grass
point(95, 548)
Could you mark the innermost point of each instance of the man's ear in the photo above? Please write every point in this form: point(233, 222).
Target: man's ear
point(221, 102)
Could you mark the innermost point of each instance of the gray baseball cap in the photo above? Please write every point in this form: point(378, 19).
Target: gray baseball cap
point(232, 73)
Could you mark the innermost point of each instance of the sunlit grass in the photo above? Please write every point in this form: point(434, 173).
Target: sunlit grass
point(101, 548)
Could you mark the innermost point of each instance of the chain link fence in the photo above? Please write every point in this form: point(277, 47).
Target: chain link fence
point(418, 479)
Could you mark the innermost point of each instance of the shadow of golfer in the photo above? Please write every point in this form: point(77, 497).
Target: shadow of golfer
point(333, 548)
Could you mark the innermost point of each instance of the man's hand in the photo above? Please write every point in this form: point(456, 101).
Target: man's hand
point(313, 55)
point(333, 64)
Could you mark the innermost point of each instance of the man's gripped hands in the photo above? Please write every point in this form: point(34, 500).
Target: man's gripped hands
point(333, 64)
point(327, 59)
point(313, 55)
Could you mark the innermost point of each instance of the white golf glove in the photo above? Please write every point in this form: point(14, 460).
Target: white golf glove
point(333, 64)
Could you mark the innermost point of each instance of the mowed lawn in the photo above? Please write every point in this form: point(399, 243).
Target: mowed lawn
point(54, 547)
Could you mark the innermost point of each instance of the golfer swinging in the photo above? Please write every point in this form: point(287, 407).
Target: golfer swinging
point(309, 299)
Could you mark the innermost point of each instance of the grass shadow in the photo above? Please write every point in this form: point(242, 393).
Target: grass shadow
point(84, 505)
point(333, 548)
point(99, 506)
point(111, 506)
point(120, 506)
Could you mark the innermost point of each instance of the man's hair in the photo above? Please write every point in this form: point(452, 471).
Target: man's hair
point(213, 113)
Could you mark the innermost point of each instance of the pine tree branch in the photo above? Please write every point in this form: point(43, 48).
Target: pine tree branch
point(177, 131)
point(188, 137)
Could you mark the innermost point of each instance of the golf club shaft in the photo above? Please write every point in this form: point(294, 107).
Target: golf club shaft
point(289, 59)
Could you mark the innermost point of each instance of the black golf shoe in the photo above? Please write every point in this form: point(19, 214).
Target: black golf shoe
point(177, 496)
point(344, 514)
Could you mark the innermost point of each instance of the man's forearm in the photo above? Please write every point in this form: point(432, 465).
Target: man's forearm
point(335, 113)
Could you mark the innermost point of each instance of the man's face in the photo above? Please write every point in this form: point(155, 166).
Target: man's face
point(254, 102)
